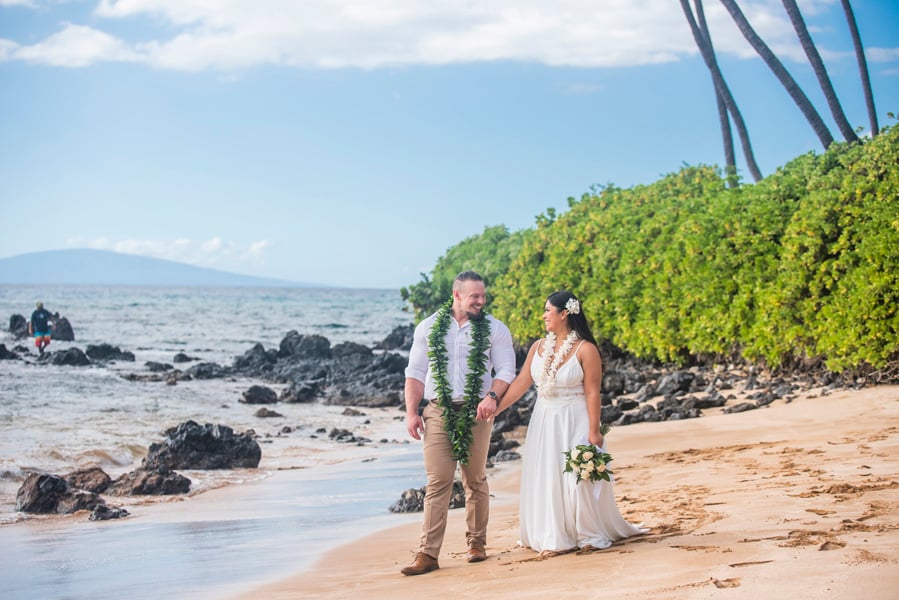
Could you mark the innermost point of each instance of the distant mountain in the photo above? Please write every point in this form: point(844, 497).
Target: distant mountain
point(101, 267)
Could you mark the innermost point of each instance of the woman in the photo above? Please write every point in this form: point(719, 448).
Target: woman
point(558, 514)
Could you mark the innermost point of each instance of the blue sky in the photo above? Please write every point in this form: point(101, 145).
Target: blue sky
point(352, 142)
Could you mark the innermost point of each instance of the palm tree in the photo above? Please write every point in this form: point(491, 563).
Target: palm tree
point(727, 137)
point(862, 65)
point(708, 55)
point(820, 71)
point(780, 72)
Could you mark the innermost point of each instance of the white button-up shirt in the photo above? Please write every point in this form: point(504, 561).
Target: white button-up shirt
point(500, 356)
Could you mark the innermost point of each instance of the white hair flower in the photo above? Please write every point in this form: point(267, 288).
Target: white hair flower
point(573, 306)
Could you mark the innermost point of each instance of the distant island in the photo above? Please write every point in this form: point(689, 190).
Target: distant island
point(101, 267)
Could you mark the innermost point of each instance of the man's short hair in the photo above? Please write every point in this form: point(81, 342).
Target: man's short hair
point(466, 276)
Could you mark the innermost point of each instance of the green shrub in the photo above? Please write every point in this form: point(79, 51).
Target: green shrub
point(489, 253)
point(802, 266)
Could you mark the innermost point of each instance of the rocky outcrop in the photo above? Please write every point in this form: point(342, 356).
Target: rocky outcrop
point(61, 329)
point(18, 326)
point(265, 413)
point(193, 446)
point(43, 493)
point(93, 479)
point(207, 370)
point(345, 374)
point(181, 357)
point(150, 482)
point(502, 449)
point(187, 446)
point(301, 391)
point(102, 512)
point(398, 339)
point(158, 367)
point(40, 493)
point(637, 392)
point(259, 394)
point(7, 354)
point(71, 357)
point(296, 346)
point(107, 352)
point(413, 500)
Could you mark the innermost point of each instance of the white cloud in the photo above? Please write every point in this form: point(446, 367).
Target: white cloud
point(77, 46)
point(231, 35)
point(7, 47)
point(257, 249)
point(880, 55)
point(214, 252)
point(212, 246)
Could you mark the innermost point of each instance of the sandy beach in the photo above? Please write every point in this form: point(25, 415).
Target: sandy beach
point(796, 500)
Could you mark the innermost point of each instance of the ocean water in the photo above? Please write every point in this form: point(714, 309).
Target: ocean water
point(55, 419)
point(58, 418)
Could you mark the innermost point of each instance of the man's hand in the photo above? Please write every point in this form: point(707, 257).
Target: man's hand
point(486, 408)
point(415, 426)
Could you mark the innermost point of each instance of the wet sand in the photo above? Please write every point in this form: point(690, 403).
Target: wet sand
point(798, 500)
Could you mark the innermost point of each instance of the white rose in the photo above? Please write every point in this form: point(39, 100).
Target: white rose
point(575, 455)
point(600, 467)
point(590, 467)
point(587, 455)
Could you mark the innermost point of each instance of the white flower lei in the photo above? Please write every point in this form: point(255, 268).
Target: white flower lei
point(552, 360)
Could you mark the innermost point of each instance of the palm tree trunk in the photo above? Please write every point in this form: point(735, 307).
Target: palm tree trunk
point(730, 158)
point(708, 55)
point(820, 70)
point(780, 72)
point(862, 65)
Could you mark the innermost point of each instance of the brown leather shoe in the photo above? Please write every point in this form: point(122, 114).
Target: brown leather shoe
point(476, 553)
point(422, 564)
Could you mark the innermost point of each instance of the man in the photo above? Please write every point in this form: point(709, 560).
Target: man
point(39, 327)
point(457, 390)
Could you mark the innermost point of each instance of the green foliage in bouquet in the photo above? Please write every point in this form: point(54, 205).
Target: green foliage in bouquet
point(587, 462)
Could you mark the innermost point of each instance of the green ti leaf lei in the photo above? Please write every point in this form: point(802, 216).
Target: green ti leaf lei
point(458, 422)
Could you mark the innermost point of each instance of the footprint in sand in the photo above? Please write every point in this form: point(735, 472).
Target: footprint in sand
point(831, 545)
point(730, 582)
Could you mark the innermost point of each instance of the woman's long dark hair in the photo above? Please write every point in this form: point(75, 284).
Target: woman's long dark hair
point(577, 321)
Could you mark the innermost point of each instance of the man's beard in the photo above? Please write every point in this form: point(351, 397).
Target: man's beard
point(475, 316)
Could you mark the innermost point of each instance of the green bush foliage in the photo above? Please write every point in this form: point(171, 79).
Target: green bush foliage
point(800, 267)
point(489, 253)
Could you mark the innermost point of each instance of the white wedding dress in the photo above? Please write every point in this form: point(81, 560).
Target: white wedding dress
point(556, 512)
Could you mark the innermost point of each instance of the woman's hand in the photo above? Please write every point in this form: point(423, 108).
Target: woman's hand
point(486, 408)
point(596, 439)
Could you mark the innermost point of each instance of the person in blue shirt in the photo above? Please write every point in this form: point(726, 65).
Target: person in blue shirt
point(39, 327)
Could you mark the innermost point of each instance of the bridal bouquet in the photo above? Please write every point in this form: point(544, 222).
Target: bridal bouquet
point(588, 462)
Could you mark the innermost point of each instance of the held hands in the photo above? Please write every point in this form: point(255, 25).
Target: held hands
point(486, 408)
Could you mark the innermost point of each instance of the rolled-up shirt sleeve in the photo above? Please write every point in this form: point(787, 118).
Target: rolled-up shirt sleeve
point(502, 353)
point(418, 354)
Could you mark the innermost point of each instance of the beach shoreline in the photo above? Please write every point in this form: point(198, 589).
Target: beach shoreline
point(794, 500)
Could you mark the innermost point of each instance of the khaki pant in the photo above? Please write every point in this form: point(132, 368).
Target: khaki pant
point(441, 468)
